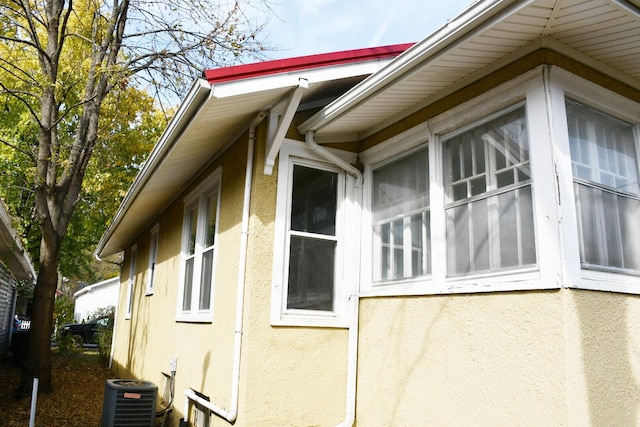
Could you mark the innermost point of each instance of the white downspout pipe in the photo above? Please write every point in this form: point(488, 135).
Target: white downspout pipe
point(232, 413)
point(352, 357)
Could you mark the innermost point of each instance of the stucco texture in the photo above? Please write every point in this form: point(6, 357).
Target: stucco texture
point(557, 358)
point(289, 376)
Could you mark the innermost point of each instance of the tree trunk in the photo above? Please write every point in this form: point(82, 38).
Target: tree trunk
point(37, 363)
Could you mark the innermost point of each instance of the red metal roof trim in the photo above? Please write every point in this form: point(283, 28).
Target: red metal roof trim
point(239, 72)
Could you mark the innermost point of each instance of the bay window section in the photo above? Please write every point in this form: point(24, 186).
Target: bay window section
point(488, 206)
point(401, 218)
point(312, 239)
point(607, 193)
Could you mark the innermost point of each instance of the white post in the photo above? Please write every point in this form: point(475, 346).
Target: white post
point(34, 399)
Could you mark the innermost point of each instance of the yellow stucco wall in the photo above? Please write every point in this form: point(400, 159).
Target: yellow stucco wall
point(282, 383)
point(562, 358)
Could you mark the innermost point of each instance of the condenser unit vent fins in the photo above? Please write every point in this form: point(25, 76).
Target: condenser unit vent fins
point(129, 403)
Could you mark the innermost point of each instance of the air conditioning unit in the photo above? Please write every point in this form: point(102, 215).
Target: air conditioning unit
point(129, 403)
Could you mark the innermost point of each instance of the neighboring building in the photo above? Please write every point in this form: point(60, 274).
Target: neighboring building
point(15, 266)
point(462, 248)
point(92, 298)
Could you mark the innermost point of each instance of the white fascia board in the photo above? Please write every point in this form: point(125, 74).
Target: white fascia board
point(192, 103)
point(292, 79)
point(477, 17)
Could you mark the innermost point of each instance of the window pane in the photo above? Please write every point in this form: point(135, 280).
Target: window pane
point(494, 230)
point(153, 257)
point(212, 205)
point(192, 226)
point(504, 141)
point(400, 204)
point(491, 234)
point(603, 154)
point(314, 200)
point(401, 186)
point(609, 228)
point(602, 149)
point(311, 274)
point(205, 281)
point(188, 284)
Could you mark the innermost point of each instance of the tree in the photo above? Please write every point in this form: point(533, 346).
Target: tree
point(63, 64)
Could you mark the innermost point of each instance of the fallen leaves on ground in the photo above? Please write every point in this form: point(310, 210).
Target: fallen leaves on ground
point(76, 401)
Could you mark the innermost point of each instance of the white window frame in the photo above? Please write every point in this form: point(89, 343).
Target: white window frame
point(564, 85)
point(198, 197)
point(345, 282)
point(527, 89)
point(133, 255)
point(153, 258)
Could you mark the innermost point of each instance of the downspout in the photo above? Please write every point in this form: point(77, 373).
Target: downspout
point(232, 413)
point(352, 357)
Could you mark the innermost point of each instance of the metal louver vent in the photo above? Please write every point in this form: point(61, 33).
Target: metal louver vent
point(129, 403)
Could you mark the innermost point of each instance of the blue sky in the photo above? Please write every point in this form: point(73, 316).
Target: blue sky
point(305, 27)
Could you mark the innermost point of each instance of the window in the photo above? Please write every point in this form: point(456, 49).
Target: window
point(131, 281)
point(607, 194)
point(401, 218)
point(311, 282)
point(488, 199)
point(153, 257)
point(199, 250)
point(312, 239)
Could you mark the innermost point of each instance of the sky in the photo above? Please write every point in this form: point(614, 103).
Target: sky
point(306, 27)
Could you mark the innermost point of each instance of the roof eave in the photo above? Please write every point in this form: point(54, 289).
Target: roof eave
point(194, 100)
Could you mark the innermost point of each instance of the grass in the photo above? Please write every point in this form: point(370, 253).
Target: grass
point(76, 401)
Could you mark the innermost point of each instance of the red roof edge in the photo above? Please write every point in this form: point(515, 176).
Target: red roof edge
point(239, 72)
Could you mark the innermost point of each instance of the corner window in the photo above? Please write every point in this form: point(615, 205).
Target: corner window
point(131, 281)
point(488, 200)
point(607, 194)
point(401, 218)
point(153, 257)
point(199, 250)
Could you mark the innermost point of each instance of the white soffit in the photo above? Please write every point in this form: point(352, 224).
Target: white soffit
point(206, 123)
point(604, 34)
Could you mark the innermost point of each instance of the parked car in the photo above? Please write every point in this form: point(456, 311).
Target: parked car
point(87, 333)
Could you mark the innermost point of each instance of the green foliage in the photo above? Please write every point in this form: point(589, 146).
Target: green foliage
point(62, 314)
point(105, 334)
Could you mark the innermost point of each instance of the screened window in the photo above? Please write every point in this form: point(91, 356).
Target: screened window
point(131, 281)
point(401, 218)
point(153, 258)
point(199, 243)
point(488, 209)
point(605, 175)
point(312, 239)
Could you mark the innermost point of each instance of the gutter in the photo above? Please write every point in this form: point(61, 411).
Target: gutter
point(231, 414)
point(188, 109)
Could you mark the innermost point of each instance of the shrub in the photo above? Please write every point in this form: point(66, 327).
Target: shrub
point(105, 334)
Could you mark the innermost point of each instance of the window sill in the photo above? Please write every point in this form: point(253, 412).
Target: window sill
point(318, 320)
point(608, 282)
point(195, 318)
point(522, 280)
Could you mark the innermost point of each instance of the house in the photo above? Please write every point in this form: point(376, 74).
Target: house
point(15, 267)
point(452, 240)
point(92, 298)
